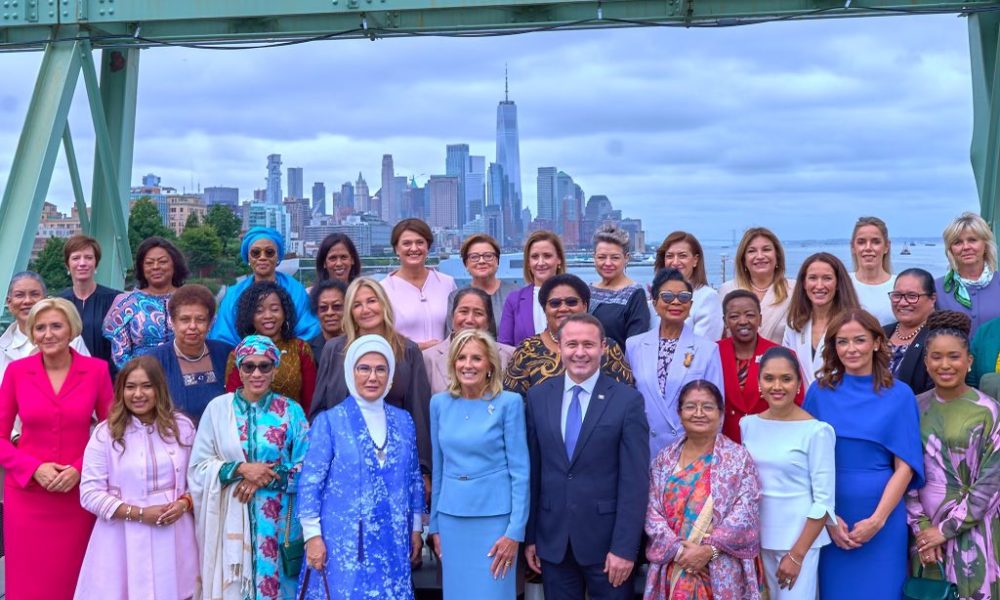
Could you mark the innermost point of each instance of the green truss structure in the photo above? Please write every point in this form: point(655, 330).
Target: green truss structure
point(69, 32)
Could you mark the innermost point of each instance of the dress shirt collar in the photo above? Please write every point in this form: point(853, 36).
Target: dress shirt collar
point(587, 384)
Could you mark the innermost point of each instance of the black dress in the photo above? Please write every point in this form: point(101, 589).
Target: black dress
point(92, 312)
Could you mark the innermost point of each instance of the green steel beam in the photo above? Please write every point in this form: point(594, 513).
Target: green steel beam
point(74, 177)
point(35, 157)
point(983, 52)
point(112, 107)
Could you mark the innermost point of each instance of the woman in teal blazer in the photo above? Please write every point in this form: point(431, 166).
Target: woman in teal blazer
point(479, 497)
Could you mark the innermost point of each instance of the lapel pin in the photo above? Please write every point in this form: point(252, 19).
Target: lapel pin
point(688, 357)
point(600, 396)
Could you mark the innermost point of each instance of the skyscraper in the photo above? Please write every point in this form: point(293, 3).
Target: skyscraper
point(457, 165)
point(546, 194)
point(509, 157)
point(319, 198)
point(274, 195)
point(229, 196)
point(295, 183)
point(475, 187)
point(384, 209)
point(362, 201)
point(442, 203)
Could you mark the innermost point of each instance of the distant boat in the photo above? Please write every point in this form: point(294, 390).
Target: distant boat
point(905, 252)
point(929, 244)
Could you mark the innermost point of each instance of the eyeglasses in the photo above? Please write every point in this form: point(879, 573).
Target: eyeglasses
point(571, 302)
point(909, 297)
point(367, 370)
point(249, 367)
point(268, 252)
point(705, 408)
point(325, 308)
point(682, 297)
point(482, 257)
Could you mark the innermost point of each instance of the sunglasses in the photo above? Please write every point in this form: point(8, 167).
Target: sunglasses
point(682, 297)
point(571, 302)
point(268, 252)
point(249, 367)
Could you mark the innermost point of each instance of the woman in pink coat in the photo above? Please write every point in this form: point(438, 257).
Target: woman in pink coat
point(55, 392)
point(135, 481)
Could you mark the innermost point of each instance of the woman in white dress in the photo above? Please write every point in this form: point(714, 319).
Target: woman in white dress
point(794, 454)
point(872, 277)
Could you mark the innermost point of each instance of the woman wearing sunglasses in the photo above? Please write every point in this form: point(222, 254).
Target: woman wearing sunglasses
point(263, 248)
point(668, 357)
point(245, 467)
point(537, 357)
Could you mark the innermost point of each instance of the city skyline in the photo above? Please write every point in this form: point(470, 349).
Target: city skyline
point(819, 122)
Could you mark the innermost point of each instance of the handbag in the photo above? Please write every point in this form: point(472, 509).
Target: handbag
point(292, 551)
point(305, 585)
point(921, 588)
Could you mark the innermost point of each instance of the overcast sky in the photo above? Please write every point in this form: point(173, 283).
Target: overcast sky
point(801, 126)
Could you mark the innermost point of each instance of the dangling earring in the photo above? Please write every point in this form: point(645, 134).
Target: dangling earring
point(489, 375)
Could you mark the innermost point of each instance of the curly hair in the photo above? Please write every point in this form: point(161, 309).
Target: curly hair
point(951, 323)
point(250, 301)
point(165, 415)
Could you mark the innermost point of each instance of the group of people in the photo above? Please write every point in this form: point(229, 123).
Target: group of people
point(830, 435)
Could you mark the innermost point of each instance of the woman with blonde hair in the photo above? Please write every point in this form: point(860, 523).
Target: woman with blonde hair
point(135, 482)
point(478, 522)
point(970, 286)
point(367, 311)
point(523, 316)
point(871, 253)
point(55, 392)
point(759, 266)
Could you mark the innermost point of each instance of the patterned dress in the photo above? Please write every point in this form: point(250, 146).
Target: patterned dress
point(137, 323)
point(962, 495)
point(295, 377)
point(532, 363)
point(366, 509)
point(272, 430)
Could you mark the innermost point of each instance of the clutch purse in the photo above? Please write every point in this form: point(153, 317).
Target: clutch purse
point(292, 551)
point(921, 588)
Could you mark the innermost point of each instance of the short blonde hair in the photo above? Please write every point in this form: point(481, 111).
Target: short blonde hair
point(62, 305)
point(494, 383)
point(975, 224)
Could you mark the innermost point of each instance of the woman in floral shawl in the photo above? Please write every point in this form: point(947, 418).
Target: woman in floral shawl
point(703, 519)
point(954, 517)
point(244, 470)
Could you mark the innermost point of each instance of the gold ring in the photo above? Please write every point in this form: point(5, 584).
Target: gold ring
point(507, 564)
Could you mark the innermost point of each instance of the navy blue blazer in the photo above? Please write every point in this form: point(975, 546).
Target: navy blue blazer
point(597, 500)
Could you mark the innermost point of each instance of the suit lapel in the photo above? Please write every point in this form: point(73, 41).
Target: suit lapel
point(39, 378)
point(553, 411)
point(650, 352)
point(595, 410)
point(77, 373)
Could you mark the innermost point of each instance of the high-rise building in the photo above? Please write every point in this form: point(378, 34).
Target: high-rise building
point(180, 207)
point(457, 165)
point(509, 157)
point(362, 201)
point(493, 219)
point(274, 195)
point(475, 187)
point(228, 196)
point(299, 211)
point(546, 193)
point(295, 183)
point(156, 194)
point(319, 198)
point(150, 180)
point(385, 207)
point(345, 205)
point(442, 203)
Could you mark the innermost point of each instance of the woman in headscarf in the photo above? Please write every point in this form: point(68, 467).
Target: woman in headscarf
point(361, 491)
point(244, 470)
point(262, 249)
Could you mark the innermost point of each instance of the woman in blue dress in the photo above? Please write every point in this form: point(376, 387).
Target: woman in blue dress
point(479, 500)
point(878, 458)
point(361, 496)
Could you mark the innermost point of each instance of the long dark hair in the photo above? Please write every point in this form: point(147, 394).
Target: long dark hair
point(324, 248)
point(844, 297)
point(120, 415)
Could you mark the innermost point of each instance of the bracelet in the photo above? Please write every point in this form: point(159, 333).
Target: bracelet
point(792, 558)
point(715, 553)
point(140, 514)
point(128, 512)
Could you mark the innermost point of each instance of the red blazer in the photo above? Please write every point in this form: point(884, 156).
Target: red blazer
point(740, 403)
point(54, 427)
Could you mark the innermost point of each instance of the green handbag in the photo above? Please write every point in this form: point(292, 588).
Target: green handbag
point(292, 551)
point(920, 588)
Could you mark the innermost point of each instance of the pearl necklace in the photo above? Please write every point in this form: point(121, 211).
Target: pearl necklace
point(190, 359)
point(910, 336)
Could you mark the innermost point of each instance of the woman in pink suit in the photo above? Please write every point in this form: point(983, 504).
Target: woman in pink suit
point(55, 392)
point(135, 481)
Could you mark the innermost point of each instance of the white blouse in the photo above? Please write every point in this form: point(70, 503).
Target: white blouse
point(875, 298)
point(797, 473)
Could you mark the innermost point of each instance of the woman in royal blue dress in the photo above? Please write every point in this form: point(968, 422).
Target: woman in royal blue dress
point(878, 458)
point(361, 496)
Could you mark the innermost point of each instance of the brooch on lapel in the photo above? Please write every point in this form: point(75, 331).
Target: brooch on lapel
point(490, 408)
point(757, 358)
point(689, 357)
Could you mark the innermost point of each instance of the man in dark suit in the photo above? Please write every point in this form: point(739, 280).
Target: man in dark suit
point(589, 445)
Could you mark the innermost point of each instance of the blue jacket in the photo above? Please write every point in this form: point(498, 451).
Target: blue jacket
point(596, 501)
point(661, 410)
point(480, 463)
